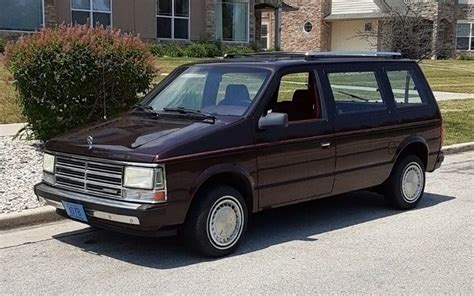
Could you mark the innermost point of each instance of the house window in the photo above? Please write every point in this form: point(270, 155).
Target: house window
point(308, 27)
point(465, 36)
point(172, 19)
point(21, 15)
point(92, 12)
point(368, 27)
point(264, 36)
point(232, 20)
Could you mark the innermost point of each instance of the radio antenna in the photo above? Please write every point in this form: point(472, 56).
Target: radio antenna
point(103, 90)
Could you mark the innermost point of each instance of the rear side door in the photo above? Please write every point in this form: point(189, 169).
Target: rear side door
point(297, 162)
point(362, 112)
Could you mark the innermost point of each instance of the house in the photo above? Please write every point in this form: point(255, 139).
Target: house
point(294, 25)
point(337, 25)
point(178, 20)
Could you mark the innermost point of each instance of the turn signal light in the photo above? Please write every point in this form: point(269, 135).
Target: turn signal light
point(159, 196)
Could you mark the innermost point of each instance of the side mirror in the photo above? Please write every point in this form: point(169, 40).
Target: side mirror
point(273, 120)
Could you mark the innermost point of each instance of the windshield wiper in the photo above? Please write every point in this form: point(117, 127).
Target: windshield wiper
point(353, 96)
point(186, 111)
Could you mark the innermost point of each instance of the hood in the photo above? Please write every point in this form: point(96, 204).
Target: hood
point(136, 138)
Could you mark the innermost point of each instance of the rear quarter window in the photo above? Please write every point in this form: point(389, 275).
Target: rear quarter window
point(405, 89)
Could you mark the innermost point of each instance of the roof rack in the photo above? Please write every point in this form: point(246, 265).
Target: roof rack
point(313, 55)
point(266, 54)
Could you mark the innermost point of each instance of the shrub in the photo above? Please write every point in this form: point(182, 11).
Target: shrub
point(66, 75)
point(174, 50)
point(199, 49)
point(203, 50)
point(236, 49)
point(3, 43)
point(466, 57)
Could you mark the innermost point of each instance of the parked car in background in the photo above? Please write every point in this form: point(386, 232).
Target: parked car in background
point(217, 141)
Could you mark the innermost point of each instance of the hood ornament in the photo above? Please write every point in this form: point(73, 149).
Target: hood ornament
point(90, 141)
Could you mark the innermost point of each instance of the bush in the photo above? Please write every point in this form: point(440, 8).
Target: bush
point(466, 57)
point(65, 75)
point(3, 43)
point(174, 50)
point(203, 50)
point(198, 49)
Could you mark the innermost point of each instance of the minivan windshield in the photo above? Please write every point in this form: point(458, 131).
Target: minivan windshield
point(215, 90)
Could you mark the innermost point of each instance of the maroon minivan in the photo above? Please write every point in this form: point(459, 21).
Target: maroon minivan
point(217, 141)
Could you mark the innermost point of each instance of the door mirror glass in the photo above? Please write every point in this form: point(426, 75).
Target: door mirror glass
point(273, 119)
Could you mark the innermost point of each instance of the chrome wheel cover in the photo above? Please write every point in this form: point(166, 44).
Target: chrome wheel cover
point(225, 222)
point(412, 182)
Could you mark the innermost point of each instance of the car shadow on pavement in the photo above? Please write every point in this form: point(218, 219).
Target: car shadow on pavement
point(302, 222)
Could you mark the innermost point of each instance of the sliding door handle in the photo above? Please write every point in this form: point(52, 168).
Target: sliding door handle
point(325, 144)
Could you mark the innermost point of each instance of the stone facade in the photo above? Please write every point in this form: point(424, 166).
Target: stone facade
point(50, 15)
point(211, 17)
point(293, 35)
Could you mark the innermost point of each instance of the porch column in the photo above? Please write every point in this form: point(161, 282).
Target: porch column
point(277, 38)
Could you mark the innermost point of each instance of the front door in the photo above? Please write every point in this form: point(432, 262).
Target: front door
point(296, 162)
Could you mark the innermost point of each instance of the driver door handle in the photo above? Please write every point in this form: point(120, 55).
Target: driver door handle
point(325, 144)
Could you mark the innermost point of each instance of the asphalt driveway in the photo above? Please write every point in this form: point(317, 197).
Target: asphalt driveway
point(348, 244)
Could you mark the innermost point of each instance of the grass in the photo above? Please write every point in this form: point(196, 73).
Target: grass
point(449, 76)
point(458, 118)
point(9, 109)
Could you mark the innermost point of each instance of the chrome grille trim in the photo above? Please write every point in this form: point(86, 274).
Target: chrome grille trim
point(95, 177)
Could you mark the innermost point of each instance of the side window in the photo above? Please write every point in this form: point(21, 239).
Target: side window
point(297, 96)
point(404, 88)
point(356, 92)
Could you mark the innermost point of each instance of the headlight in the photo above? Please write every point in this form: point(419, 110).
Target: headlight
point(141, 178)
point(48, 163)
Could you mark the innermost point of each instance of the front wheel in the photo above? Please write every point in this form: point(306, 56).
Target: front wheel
point(406, 184)
point(217, 221)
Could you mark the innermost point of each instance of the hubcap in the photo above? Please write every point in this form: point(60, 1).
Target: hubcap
point(225, 222)
point(412, 182)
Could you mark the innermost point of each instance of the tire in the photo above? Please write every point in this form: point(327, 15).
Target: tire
point(204, 228)
point(406, 184)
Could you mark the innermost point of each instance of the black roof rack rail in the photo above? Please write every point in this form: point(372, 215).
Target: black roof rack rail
point(266, 54)
point(313, 55)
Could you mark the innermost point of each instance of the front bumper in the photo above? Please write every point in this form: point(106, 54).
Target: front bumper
point(120, 216)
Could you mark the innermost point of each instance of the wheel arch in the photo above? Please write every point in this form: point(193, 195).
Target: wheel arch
point(414, 145)
point(232, 175)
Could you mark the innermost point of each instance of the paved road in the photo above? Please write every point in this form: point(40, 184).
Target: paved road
point(349, 244)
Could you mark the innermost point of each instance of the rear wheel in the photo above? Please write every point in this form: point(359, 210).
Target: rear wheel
point(406, 184)
point(217, 222)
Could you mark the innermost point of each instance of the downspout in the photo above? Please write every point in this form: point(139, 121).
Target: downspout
point(278, 27)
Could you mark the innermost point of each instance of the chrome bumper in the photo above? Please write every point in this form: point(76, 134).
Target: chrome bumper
point(74, 196)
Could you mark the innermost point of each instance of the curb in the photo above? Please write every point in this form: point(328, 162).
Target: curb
point(458, 148)
point(30, 217)
point(48, 214)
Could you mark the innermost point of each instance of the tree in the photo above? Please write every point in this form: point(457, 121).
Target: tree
point(406, 29)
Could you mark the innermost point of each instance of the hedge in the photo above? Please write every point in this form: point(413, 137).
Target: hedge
point(65, 75)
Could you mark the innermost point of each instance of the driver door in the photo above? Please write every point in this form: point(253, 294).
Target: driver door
point(297, 162)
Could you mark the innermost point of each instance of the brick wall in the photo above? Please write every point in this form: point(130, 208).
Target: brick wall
point(50, 12)
point(294, 38)
point(211, 17)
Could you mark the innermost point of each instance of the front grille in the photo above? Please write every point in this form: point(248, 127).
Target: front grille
point(93, 177)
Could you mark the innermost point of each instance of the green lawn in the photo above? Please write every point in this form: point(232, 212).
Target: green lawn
point(449, 76)
point(9, 110)
point(458, 118)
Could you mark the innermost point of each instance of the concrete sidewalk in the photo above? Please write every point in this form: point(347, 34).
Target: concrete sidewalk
point(10, 129)
point(447, 96)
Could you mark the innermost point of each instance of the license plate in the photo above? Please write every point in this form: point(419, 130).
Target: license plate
point(75, 211)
